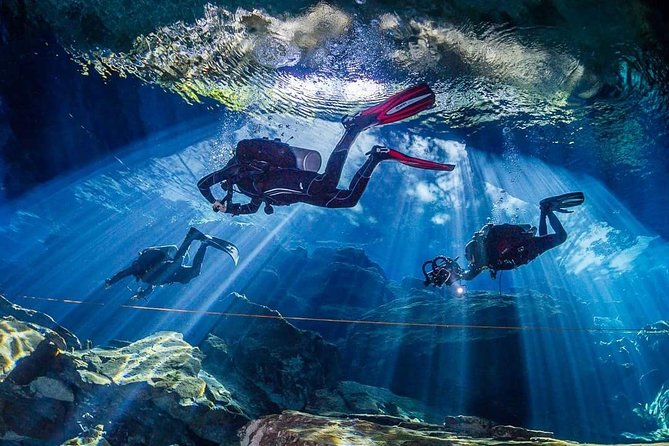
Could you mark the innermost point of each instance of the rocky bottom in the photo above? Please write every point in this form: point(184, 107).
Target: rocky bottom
point(253, 390)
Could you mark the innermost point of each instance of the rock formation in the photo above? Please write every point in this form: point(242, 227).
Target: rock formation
point(300, 429)
point(151, 392)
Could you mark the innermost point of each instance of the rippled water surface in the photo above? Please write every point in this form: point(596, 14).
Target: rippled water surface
point(594, 71)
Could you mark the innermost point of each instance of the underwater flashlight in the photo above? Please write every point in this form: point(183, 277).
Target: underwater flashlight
point(460, 290)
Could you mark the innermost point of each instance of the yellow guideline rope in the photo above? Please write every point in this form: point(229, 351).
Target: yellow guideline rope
point(363, 322)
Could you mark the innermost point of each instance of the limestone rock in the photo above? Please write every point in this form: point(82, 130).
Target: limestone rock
point(517, 433)
point(93, 437)
point(39, 319)
point(287, 364)
point(25, 415)
point(255, 401)
point(162, 372)
point(51, 388)
point(352, 397)
point(17, 341)
point(469, 425)
point(158, 359)
point(151, 392)
point(26, 411)
point(300, 429)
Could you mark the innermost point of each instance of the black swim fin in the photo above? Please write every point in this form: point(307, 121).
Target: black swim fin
point(223, 245)
point(385, 153)
point(400, 106)
point(558, 203)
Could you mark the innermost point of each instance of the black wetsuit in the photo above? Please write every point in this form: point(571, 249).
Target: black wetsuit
point(161, 265)
point(509, 246)
point(265, 182)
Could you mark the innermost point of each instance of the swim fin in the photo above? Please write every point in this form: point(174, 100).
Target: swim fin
point(400, 106)
point(223, 245)
point(558, 203)
point(385, 153)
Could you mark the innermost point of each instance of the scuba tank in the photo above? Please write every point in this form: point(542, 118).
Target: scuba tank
point(307, 159)
point(277, 154)
point(258, 156)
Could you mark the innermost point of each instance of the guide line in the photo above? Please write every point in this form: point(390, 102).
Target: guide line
point(648, 330)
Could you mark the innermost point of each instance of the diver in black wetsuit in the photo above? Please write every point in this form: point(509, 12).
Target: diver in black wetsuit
point(505, 246)
point(274, 173)
point(161, 265)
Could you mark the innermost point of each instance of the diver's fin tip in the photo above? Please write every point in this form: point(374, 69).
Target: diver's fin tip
point(400, 106)
point(559, 202)
point(416, 162)
point(225, 246)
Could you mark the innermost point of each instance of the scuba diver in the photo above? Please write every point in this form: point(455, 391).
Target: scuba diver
point(275, 173)
point(161, 265)
point(506, 246)
point(442, 270)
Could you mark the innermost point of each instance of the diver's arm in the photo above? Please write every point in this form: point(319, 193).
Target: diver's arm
point(129, 271)
point(249, 208)
point(472, 272)
point(206, 183)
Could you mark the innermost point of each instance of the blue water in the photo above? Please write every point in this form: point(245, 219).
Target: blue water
point(515, 137)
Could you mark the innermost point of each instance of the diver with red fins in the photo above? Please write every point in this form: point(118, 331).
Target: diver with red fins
point(506, 246)
point(277, 174)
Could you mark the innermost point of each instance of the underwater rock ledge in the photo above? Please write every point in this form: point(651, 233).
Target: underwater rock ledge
point(233, 390)
point(300, 429)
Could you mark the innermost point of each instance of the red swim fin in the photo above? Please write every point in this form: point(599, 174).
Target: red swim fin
point(400, 106)
point(417, 162)
point(384, 153)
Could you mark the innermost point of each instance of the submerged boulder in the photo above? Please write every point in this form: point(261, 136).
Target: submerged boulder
point(654, 418)
point(469, 425)
point(17, 341)
point(92, 437)
point(39, 321)
point(356, 398)
point(30, 407)
point(268, 354)
point(158, 376)
point(253, 398)
point(300, 429)
point(150, 392)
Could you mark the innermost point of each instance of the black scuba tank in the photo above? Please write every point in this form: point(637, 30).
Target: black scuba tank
point(277, 154)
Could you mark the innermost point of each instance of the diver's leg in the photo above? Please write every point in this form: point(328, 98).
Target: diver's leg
point(549, 241)
point(542, 223)
point(187, 273)
point(193, 234)
point(560, 233)
point(329, 179)
point(349, 197)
